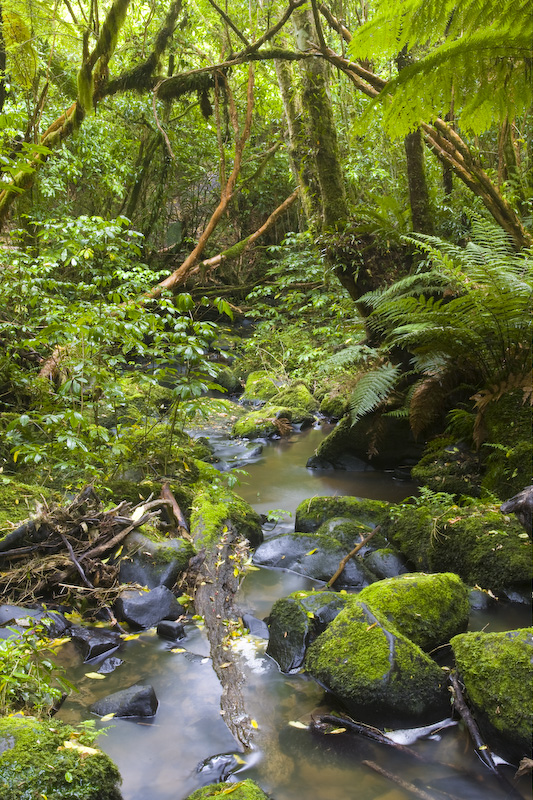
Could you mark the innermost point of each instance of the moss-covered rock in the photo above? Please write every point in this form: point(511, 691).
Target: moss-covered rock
point(260, 385)
point(214, 507)
point(45, 759)
point(384, 442)
point(497, 671)
point(312, 513)
point(452, 468)
point(151, 559)
point(349, 532)
point(297, 397)
point(244, 790)
point(375, 671)
point(508, 471)
point(508, 423)
point(298, 619)
point(478, 543)
point(229, 381)
point(427, 609)
point(334, 405)
point(269, 420)
point(20, 501)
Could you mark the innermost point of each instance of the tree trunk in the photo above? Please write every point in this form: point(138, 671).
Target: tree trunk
point(421, 213)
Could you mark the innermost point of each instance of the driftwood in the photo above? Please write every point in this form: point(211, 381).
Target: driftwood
point(350, 555)
point(482, 750)
point(217, 581)
point(320, 725)
point(406, 785)
point(66, 553)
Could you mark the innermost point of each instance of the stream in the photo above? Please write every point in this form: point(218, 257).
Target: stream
point(171, 755)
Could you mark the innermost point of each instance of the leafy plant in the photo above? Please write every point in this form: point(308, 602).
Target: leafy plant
point(465, 325)
point(29, 679)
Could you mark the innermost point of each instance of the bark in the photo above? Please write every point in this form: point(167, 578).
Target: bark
point(320, 125)
point(421, 213)
point(2, 61)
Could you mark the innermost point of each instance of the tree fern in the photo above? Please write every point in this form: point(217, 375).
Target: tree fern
point(356, 354)
point(372, 389)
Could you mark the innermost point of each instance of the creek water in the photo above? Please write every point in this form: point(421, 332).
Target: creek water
point(167, 757)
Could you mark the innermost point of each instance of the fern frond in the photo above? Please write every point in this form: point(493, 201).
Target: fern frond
point(356, 354)
point(373, 389)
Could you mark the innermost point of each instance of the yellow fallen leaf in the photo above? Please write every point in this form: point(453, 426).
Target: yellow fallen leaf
point(95, 676)
point(226, 664)
point(253, 723)
point(178, 650)
point(81, 748)
point(337, 730)
point(106, 717)
point(297, 724)
point(138, 513)
point(310, 553)
point(129, 636)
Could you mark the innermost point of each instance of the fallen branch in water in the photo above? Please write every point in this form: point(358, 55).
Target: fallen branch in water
point(374, 734)
point(406, 785)
point(351, 554)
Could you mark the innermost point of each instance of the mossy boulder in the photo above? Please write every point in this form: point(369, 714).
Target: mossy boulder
point(297, 397)
point(48, 759)
point(509, 470)
point(334, 405)
point(260, 385)
point(315, 556)
point(295, 621)
point(312, 513)
point(508, 422)
point(243, 790)
point(452, 468)
point(497, 671)
point(427, 609)
point(215, 507)
point(384, 442)
point(349, 532)
point(269, 420)
point(478, 543)
point(375, 671)
point(229, 381)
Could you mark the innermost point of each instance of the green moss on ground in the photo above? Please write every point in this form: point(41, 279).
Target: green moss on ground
point(20, 501)
point(244, 790)
point(214, 507)
point(260, 385)
point(45, 759)
point(312, 513)
point(451, 469)
point(497, 671)
point(262, 423)
point(427, 609)
point(477, 542)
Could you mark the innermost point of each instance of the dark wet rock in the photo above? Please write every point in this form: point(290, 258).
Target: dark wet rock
point(389, 436)
point(94, 642)
point(318, 463)
point(295, 621)
point(375, 671)
point(109, 665)
point(497, 671)
point(477, 542)
point(217, 768)
point(349, 533)
point(171, 629)
point(386, 563)
point(136, 701)
point(256, 627)
point(146, 609)
point(53, 621)
point(427, 609)
point(312, 513)
point(316, 556)
point(153, 563)
point(521, 505)
point(480, 600)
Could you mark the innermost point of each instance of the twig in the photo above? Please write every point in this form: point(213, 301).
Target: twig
point(408, 787)
point(364, 730)
point(168, 497)
point(350, 555)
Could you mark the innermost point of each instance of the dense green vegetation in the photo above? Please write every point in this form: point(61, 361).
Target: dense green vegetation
point(354, 179)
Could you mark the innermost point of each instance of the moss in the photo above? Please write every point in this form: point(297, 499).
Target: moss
point(260, 386)
point(509, 471)
point(427, 609)
point(496, 669)
point(244, 790)
point(214, 507)
point(38, 763)
point(296, 397)
point(478, 543)
point(312, 513)
point(373, 668)
point(346, 531)
point(19, 501)
point(509, 464)
point(229, 381)
point(334, 405)
point(259, 424)
point(451, 468)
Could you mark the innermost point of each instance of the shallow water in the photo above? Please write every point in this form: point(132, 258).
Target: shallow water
point(158, 758)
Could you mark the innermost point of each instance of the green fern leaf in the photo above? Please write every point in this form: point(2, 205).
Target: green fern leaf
point(372, 389)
